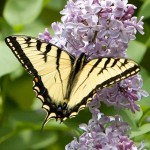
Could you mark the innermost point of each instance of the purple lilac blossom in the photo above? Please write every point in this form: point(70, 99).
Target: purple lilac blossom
point(123, 94)
point(103, 133)
point(101, 28)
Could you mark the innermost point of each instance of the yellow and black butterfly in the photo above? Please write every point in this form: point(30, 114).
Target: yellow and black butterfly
point(64, 83)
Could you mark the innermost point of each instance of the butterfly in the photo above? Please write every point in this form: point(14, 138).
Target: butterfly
point(63, 83)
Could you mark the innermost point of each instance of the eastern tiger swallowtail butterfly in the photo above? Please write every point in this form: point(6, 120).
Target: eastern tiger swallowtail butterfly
point(62, 82)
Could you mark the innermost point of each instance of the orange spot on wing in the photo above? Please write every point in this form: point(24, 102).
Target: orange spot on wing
point(36, 79)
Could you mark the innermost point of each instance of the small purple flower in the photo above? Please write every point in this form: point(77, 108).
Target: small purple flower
point(58, 28)
point(45, 36)
point(130, 11)
point(103, 133)
point(71, 13)
point(138, 25)
point(120, 7)
point(91, 11)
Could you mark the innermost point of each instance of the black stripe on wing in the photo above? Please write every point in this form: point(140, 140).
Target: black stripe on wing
point(48, 48)
point(128, 73)
point(14, 45)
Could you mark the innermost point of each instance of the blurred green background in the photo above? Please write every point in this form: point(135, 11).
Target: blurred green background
point(21, 116)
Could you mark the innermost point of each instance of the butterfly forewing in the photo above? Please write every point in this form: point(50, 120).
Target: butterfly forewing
point(52, 64)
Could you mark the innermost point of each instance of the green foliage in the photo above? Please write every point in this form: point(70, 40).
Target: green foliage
point(18, 13)
point(7, 57)
point(140, 48)
point(144, 11)
point(21, 116)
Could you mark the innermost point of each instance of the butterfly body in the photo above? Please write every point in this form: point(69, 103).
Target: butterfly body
point(62, 82)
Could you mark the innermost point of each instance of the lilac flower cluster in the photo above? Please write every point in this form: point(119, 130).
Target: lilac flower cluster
point(101, 28)
point(96, 27)
point(103, 133)
point(124, 94)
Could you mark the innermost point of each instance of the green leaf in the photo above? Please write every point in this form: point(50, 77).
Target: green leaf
point(28, 139)
point(136, 50)
point(131, 118)
point(5, 29)
point(21, 119)
point(141, 130)
point(144, 11)
point(37, 27)
point(144, 38)
point(18, 13)
point(39, 142)
point(21, 91)
point(55, 16)
point(8, 62)
point(56, 4)
point(145, 102)
point(82, 117)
